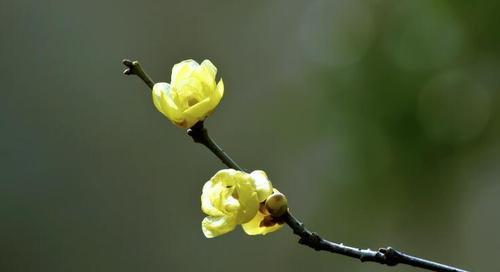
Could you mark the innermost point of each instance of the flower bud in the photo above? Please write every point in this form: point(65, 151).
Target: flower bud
point(277, 204)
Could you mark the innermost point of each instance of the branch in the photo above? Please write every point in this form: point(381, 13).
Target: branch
point(387, 256)
point(135, 68)
point(200, 135)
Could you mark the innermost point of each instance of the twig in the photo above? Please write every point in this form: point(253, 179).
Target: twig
point(387, 256)
point(135, 68)
point(200, 135)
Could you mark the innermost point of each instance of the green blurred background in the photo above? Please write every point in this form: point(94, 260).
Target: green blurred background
point(379, 119)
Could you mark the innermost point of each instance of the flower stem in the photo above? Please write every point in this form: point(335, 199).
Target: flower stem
point(200, 135)
point(387, 256)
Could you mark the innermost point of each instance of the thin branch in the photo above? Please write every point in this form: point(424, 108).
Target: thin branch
point(387, 256)
point(135, 68)
point(200, 135)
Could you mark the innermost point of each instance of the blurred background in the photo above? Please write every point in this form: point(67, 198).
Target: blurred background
point(379, 119)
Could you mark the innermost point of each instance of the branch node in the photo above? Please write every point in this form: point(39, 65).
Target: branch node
point(198, 132)
point(391, 256)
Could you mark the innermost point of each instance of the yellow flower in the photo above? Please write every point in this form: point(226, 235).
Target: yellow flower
point(232, 198)
point(191, 95)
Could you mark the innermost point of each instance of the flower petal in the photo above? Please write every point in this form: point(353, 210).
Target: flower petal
point(216, 95)
point(231, 204)
point(183, 70)
point(263, 186)
point(254, 226)
point(162, 99)
point(209, 66)
point(249, 203)
point(208, 205)
point(213, 226)
point(198, 112)
point(206, 74)
point(224, 176)
point(220, 88)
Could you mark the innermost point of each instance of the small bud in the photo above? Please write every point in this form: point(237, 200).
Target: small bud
point(276, 204)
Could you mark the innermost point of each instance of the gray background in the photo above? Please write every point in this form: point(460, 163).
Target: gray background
point(379, 119)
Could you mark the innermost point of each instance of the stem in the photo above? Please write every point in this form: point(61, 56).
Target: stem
point(200, 135)
point(135, 68)
point(387, 256)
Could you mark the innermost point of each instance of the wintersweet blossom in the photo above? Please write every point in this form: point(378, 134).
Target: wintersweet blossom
point(231, 198)
point(192, 94)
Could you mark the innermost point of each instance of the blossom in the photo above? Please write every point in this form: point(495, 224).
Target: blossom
point(192, 94)
point(231, 198)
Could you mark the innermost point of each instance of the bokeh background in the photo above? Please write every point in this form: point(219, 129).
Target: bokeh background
point(379, 119)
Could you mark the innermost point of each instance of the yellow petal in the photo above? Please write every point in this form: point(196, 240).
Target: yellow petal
point(216, 95)
point(220, 88)
point(188, 89)
point(254, 226)
point(183, 70)
point(225, 177)
point(247, 196)
point(216, 191)
point(197, 112)
point(206, 75)
point(231, 204)
point(249, 206)
point(213, 226)
point(208, 205)
point(263, 186)
point(162, 99)
point(210, 67)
